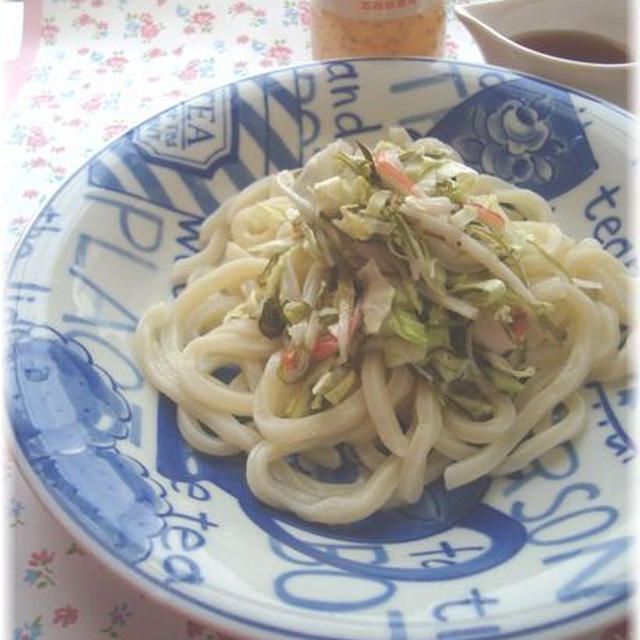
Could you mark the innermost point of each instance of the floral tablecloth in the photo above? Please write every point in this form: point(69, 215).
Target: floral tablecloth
point(87, 71)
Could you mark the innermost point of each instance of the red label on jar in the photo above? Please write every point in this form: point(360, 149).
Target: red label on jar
point(376, 9)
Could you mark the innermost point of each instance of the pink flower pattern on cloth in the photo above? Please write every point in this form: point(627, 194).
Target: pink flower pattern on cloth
point(90, 70)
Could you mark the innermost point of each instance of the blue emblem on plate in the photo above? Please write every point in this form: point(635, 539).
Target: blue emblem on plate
point(67, 416)
point(196, 133)
point(527, 134)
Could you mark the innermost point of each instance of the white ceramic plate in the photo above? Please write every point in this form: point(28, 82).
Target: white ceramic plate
point(544, 553)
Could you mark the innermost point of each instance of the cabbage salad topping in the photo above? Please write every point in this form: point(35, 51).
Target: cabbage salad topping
point(401, 248)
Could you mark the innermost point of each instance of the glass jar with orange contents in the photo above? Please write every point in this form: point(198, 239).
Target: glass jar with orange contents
point(377, 28)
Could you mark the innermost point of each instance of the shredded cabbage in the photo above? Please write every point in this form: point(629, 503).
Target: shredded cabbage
point(403, 244)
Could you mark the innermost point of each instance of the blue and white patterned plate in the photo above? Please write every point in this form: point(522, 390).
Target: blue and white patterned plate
point(543, 553)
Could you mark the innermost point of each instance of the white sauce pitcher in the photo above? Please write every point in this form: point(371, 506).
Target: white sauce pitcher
point(494, 24)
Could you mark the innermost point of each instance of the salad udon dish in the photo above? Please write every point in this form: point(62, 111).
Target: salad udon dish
point(392, 303)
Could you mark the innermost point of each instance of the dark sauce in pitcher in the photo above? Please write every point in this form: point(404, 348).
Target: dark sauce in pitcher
point(574, 45)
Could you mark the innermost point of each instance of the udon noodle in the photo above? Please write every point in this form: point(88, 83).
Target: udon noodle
point(390, 305)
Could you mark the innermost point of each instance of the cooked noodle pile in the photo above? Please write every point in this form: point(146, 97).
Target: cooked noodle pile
point(390, 306)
